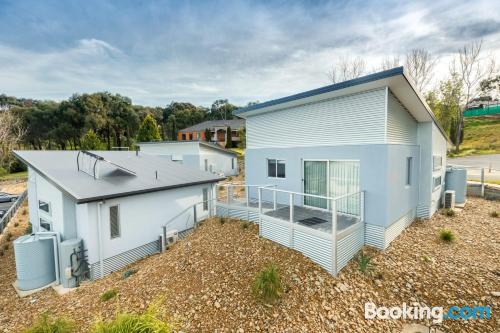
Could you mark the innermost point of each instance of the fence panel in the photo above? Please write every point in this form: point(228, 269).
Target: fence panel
point(12, 211)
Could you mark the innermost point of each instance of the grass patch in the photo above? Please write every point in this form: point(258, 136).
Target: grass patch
point(486, 181)
point(267, 285)
point(364, 263)
point(129, 273)
point(481, 136)
point(46, 324)
point(149, 322)
point(15, 176)
point(447, 236)
point(494, 213)
point(108, 294)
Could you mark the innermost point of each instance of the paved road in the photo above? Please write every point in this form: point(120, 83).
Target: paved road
point(476, 163)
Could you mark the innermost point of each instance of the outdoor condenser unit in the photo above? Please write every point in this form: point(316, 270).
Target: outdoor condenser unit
point(449, 199)
point(172, 237)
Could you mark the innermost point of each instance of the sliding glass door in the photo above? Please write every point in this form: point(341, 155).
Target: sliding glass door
point(331, 179)
point(315, 182)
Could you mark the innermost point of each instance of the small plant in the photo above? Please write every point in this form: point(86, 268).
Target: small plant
point(149, 322)
point(29, 229)
point(245, 225)
point(364, 263)
point(16, 224)
point(108, 294)
point(267, 285)
point(46, 324)
point(222, 220)
point(447, 235)
point(5, 247)
point(230, 178)
point(449, 212)
point(8, 236)
point(242, 189)
point(129, 273)
point(494, 213)
point(25, 211)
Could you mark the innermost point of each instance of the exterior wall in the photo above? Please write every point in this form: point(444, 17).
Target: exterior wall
point(438, 148)
point(222, 162)
point(141, 219)
point(33, 198)
point(346, 120)
point(401, 126)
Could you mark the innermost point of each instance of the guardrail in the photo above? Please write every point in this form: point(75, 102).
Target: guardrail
point(12, 211)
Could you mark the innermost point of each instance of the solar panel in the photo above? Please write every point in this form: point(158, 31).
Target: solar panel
point(88, 163)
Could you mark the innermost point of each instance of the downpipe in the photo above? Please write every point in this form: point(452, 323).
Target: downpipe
point(99, 238)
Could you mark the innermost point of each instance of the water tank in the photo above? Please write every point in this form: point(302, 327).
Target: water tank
point(34, 261)
point(71, 262)
point(456, 180)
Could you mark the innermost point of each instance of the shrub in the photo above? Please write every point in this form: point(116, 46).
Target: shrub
point(245, 225)
point(5, 247)
point(449, 212)
point(45, 324)
point(447, 235)
point(222, 220)
point(16, 224)
point(230, 178)
point(108, 294)
point(149, 322)
point(29, 229)
point(267, 285)
point(364, 263)
point(3, 172)
point(8, 236)
point(129, 273)
point(494, 213)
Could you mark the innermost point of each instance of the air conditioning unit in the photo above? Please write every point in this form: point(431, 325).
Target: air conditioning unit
point(172, 237)
point(449, 199)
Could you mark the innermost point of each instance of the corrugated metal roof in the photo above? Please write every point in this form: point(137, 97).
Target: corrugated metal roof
point(235, 124)
point(203, 143)
point(60, 169)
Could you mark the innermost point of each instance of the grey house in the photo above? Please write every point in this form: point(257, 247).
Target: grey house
point(373, 135)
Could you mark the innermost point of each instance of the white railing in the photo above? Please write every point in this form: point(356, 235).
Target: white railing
point(12, 211)
point(239, 194)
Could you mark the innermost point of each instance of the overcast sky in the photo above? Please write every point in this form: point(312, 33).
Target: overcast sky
point(161, 51)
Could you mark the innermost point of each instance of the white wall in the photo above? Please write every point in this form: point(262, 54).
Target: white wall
point(401, 126)
point(49, 193)
point(346, 120)
point(141, 219)
point(438, 148)
point(221, 161)
point(175, 148)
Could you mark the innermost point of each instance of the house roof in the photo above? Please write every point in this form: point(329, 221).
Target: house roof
point(235, 124)
point(201, 143)
point(60, 169)
point(396, 79)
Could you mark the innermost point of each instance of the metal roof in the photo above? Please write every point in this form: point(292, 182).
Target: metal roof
point(202, 143)
point(235, 124)
point(60, 169)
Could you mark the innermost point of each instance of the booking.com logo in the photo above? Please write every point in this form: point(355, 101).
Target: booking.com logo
point(436, 313)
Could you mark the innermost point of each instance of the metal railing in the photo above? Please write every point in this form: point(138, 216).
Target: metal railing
point(12, 211)
point(239, 194)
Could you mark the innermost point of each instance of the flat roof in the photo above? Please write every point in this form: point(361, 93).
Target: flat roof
point(235, 124)
point(396, 79)
point(60, 169)
point(202, 143)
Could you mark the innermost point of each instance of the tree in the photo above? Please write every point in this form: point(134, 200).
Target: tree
point(11, 134)
point(90, 141)
point(420, 66)
point(389, 63)
point(243, 137)
point(222, 109)
point(171, 127)
point(229, 138)
point(445, 103)
point(148, 130)
point(347, 69)
point(208, 135)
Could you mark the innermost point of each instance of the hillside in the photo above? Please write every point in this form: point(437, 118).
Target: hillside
point(481, 136)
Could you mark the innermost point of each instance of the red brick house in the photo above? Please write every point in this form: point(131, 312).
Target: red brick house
point(218, 129)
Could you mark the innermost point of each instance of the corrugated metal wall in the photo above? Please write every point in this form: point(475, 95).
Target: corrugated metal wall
point(276, 232)
point(348, 246)
point(352, 119)
point(401, 126)
point(117, 262)
point(374, 236)
point(397, 227)
point(316, 248)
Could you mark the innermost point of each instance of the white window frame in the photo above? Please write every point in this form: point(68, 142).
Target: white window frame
point(49, 213)
point(118, 219)
point(276, 171)
point(205, 198)
point(434, 186)
point(45, 221)
point(408, 171)
point(232, 163)
point(436, 166)
point(206, 164)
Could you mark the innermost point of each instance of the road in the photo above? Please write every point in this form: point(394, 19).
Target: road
point(491, 163)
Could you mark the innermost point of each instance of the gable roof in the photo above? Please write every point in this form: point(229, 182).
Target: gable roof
point(235, 124)
point(208, 145)
point(396, 79)
point(60, 169)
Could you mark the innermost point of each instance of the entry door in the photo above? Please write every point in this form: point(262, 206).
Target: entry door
point(316, 183)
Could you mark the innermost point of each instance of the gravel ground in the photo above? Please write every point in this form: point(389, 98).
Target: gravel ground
point(12, 186)
point(204, 281)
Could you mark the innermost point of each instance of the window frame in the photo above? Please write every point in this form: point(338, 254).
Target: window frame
point(232, 163)
point(49, 205)
point(277, 161)
point(409, 171)
point(45, 221)
point(206, 164)
point(437, 158)
point(204, 195)
point(111, 236)
point(434, 186)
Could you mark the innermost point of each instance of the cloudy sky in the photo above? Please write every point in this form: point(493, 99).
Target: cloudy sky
point(161, 51)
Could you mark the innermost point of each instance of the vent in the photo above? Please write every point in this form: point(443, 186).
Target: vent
point(449, 199)
point(114, 221)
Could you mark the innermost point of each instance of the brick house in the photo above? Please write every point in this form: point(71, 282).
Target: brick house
point(218, 129)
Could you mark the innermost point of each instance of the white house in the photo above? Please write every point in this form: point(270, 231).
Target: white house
point(201, 155)
point(115, 201)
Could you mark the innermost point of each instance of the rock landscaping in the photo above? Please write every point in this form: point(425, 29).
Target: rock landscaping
point(204, 282)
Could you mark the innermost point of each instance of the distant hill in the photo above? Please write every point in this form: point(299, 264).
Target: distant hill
point(481, 136)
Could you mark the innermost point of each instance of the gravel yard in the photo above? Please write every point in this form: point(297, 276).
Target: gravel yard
point(204, 281)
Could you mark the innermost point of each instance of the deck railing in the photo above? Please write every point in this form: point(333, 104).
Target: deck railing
point(12, 211)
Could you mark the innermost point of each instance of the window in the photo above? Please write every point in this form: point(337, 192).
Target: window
point(114, 221)
point(408, 170)
point(437, 182)
point(232, 163)
point(205, 199)
point(45, 225)
point(437, 162)
point(275, 168)
point(206, 165)
point(44, 206)
point(183, 136)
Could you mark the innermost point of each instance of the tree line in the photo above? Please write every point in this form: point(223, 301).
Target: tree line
point(94, 121)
